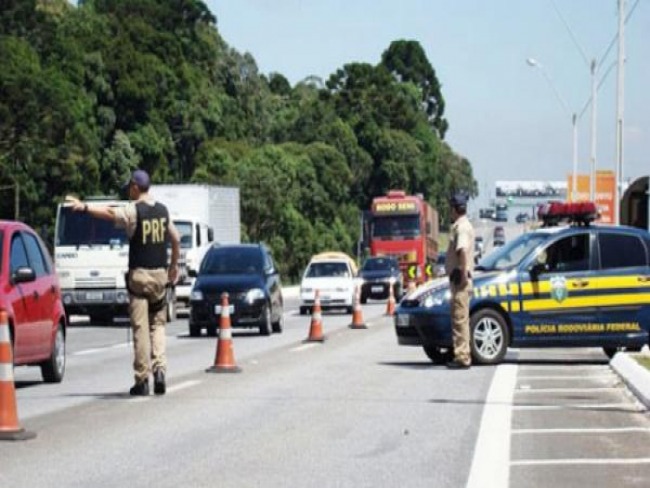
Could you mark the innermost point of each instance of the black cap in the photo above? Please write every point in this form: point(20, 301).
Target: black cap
point(140, 177)
point(458, 199)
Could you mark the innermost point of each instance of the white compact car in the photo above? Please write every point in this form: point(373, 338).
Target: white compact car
point(334, 275)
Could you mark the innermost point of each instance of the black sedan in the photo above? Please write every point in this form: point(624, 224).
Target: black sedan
point(247, 273)
point(378, 274)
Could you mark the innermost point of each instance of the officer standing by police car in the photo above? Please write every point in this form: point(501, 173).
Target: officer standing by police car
point(460, 266)
point(149, 229)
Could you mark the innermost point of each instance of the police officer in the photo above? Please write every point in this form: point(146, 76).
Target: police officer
point(149, 229)
point(459, 266)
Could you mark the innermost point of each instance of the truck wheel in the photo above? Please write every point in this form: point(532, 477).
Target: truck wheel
point(488, 337)
point(53, 368)
point(439, 355)
point(265, 326)
point(304, 310)
point(363, 299)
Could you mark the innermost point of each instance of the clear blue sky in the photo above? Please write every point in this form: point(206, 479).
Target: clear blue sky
point(503, 115)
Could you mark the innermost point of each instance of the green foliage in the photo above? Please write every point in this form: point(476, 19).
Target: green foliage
point(88, 93)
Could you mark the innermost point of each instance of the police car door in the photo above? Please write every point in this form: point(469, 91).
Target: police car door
point(559, 294)
point(624, 286)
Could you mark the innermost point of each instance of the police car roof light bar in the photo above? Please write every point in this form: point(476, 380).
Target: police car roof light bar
point(576, 213)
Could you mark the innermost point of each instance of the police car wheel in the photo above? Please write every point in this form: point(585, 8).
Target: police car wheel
point(489, 337)
point(439, 355)
point(611, 351)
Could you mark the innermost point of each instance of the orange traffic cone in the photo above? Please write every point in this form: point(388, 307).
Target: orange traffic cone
point(357, 314)
point(316, 327)
point(224, 361)
point(390, 304)
point(10, 429)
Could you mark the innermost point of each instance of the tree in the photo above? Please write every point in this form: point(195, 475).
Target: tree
point(408, 62)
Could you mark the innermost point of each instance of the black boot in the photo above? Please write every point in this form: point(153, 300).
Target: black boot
point(140, 389)
point(159, 382)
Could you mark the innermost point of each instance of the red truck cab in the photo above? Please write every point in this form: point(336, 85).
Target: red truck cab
point(405, 227)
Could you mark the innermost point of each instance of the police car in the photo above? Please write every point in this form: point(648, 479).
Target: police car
point(578, 285)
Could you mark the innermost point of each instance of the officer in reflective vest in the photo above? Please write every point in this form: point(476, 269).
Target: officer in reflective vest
point(149, 229)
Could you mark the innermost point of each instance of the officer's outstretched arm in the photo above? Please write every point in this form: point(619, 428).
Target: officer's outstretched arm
point(97, 211)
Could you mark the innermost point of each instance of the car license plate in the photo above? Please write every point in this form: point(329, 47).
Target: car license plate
point(377, 289)
point(325, 298)
point(94, 295)
point(218, 308)
point(402, 320)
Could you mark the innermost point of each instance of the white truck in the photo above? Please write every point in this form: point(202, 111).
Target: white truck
point(91, 255)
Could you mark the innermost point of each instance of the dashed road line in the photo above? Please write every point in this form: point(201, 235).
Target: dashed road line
point(630, 407)
point(304, 347)
point(571, 378)
point(578, 461)
point(182, 386)
point(600, 430)
point(528, 390)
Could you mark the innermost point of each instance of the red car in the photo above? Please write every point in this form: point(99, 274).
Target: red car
point(30, 294)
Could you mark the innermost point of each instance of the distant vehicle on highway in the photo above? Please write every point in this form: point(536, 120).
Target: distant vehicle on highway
point(248, 274)
point(522, 218)
point(499, 238)
point(31, 296)
point(378, 274)
point(486, 213)
point(501, 214)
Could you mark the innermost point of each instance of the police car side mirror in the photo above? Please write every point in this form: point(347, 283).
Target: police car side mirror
point(538, 268)
point(192, 273)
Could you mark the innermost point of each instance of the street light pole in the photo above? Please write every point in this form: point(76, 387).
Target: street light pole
point(594, 92)
point(620, 86)
point(574, 123)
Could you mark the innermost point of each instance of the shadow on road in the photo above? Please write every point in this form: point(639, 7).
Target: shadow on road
point(411, 364)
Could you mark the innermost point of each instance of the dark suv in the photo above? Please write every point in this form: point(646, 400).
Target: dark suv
point(249, 276)
point(378, 273)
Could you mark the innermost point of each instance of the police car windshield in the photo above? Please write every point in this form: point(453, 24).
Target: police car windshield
point(511, 254)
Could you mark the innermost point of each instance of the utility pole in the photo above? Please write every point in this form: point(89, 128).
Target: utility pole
point(620, 88)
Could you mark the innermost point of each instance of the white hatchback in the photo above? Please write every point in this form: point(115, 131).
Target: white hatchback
point(334, 278)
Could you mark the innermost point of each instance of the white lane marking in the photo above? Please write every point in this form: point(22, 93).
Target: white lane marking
point(551, 462)
point(606, 430)
point(96, 350)
point(304, 347)
point(577, 378)
point(528, 389)
point(629, 407)
point(492, 452)
point(183, 386)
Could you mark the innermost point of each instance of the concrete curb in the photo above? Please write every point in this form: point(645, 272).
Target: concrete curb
point(635, 376)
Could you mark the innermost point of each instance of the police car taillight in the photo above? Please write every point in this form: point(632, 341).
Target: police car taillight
point(580, 213)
